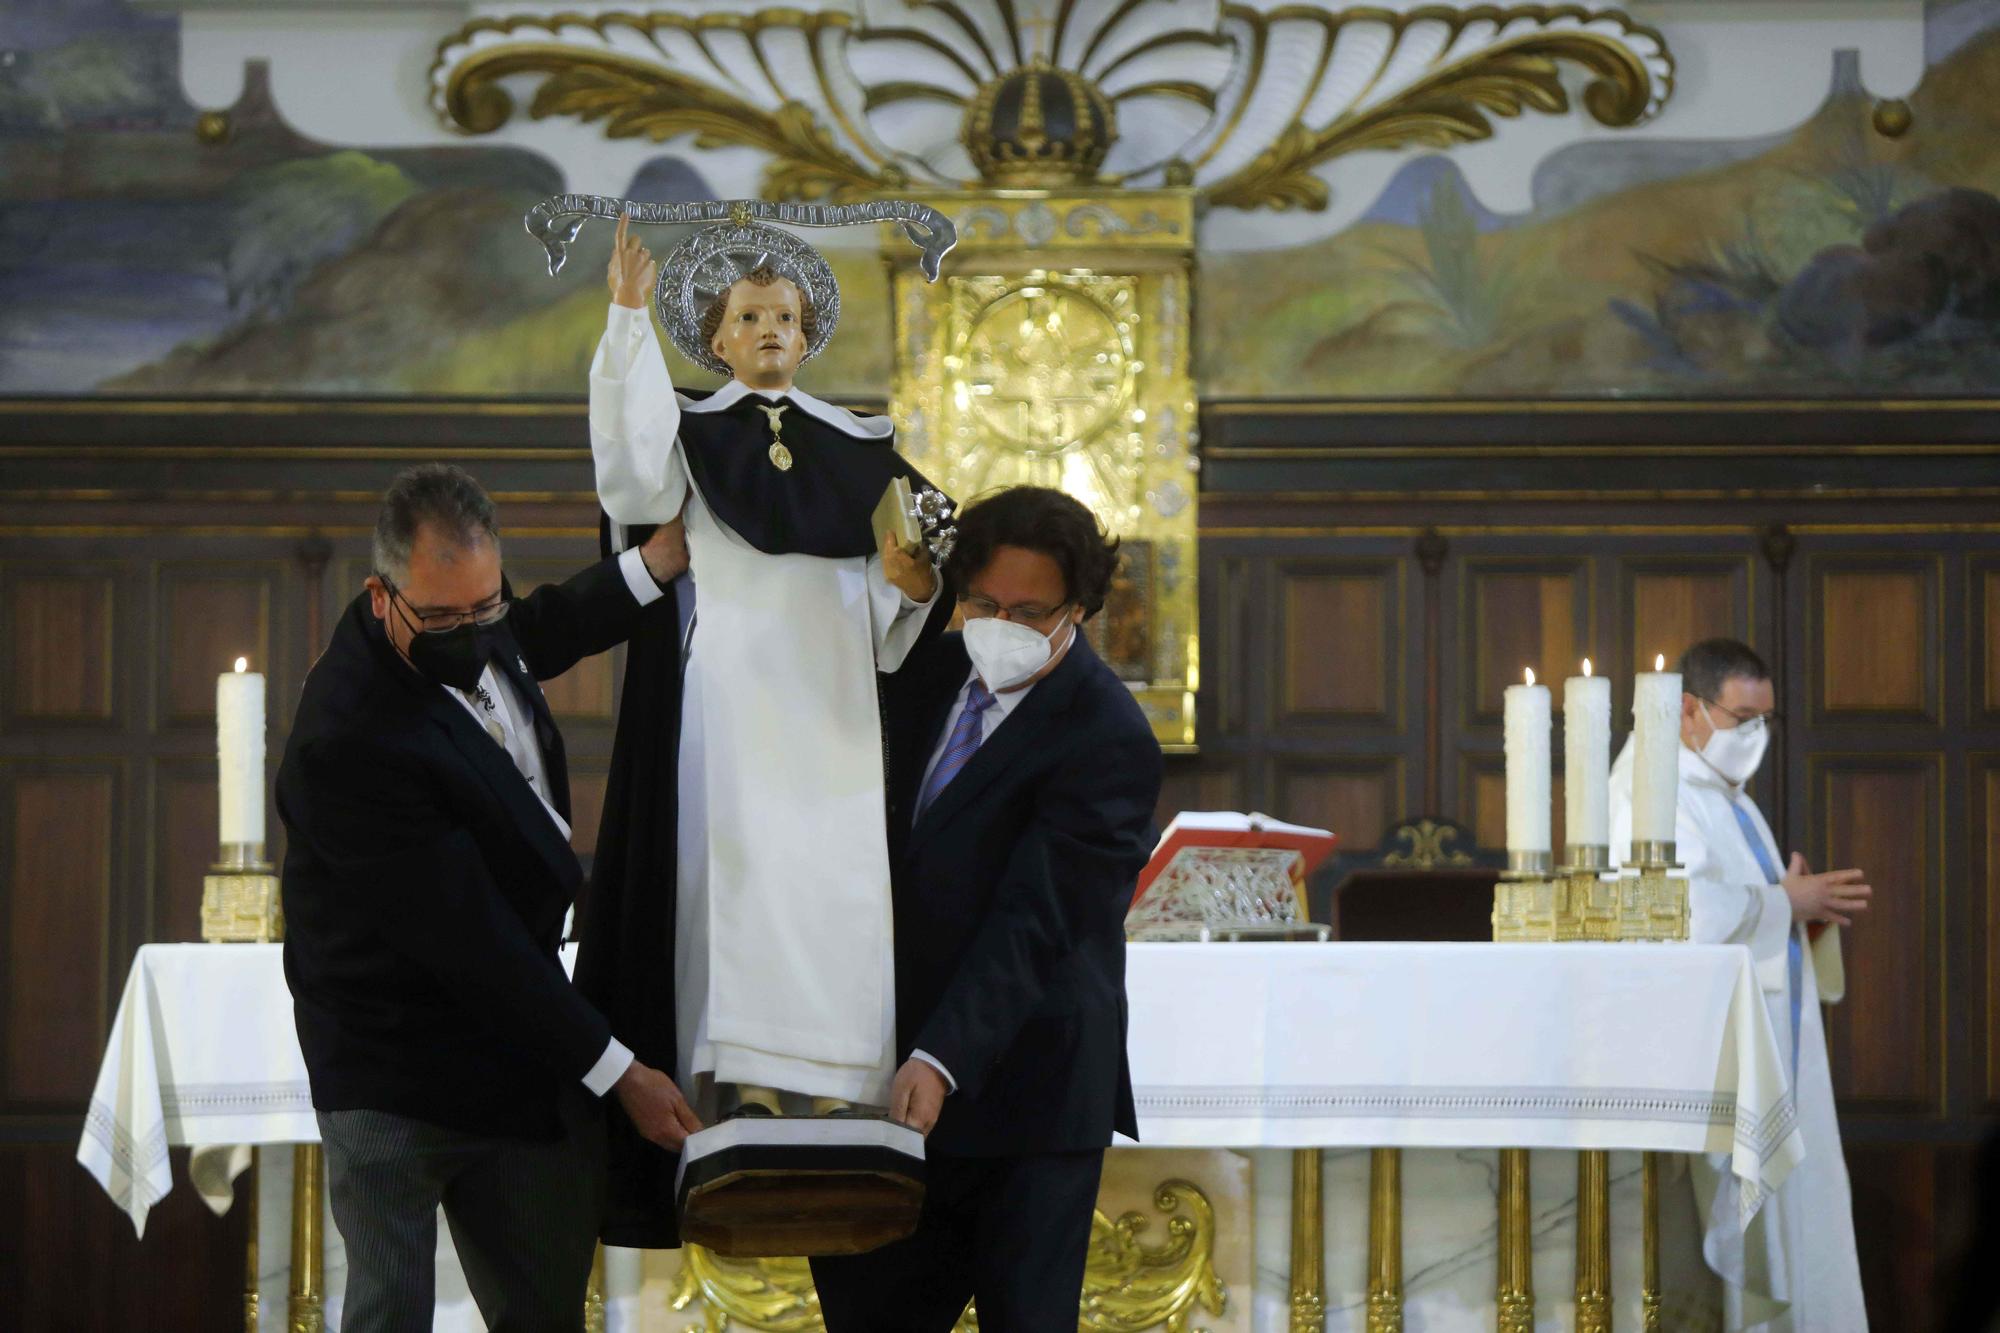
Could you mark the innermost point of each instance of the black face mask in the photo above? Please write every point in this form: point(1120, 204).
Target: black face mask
point(456, 657)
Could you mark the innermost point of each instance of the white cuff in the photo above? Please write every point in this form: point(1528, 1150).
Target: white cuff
point(951, 1084)
point(610, 1067)
point(632, 563)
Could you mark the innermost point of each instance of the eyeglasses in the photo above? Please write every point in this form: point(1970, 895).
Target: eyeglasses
point(986, 606)
point(442, 622)
point(1751, 720)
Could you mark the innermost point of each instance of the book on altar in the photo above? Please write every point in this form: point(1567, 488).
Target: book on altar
point(1223, 866)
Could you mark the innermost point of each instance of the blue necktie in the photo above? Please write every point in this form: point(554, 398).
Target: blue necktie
point(966, 734)
point(1795, 956)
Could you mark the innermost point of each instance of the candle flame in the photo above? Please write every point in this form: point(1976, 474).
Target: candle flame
point(1659, 661)
point(1586, 666)
point(1530, 673)
point(242, 665)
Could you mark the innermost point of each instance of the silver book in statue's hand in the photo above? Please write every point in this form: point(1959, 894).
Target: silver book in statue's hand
point(896, 516)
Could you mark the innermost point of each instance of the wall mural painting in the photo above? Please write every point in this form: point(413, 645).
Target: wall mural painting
point(137, 260)
point(1859, 252)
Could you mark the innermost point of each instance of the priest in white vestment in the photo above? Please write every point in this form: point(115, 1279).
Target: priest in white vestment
point(1793, 1269)
point(783, 979)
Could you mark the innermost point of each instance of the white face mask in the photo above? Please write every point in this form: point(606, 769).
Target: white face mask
point(1005, 652)
point(1736, 752)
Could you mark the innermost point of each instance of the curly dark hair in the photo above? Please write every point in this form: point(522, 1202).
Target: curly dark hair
point(1044, 520)
point(763, 276)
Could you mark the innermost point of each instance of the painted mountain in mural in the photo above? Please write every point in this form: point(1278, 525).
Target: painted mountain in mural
point(1837, 260)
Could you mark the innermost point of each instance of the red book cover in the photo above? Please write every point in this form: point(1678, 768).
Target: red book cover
point(1229, 829)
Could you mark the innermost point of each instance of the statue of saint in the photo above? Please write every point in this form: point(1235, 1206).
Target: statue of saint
point(738, 919)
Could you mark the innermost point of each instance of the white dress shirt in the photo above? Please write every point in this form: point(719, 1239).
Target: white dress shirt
point(504, 715)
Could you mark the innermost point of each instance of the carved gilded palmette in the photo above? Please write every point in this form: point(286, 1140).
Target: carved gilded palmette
point(1041, 106)
point(1128, 1286)
point(1426, 845)
point(1454, 95)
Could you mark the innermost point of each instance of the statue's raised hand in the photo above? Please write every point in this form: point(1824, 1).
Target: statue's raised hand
point(630, 274)
point(912, 575)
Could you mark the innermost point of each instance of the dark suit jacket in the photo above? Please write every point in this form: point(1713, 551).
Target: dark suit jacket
point(425, 885)
point(1010, 900)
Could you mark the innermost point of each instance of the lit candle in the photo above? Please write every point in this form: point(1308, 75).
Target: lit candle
point(239, 753)
point(1528, 767)
point(1656, 758)
point(1587, 759)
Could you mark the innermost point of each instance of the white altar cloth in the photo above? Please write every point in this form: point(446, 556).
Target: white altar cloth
point(1665, 1047)
point(202, 1052)
point(1623, 1046)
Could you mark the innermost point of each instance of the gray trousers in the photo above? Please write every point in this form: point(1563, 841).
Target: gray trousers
point(523, 1217)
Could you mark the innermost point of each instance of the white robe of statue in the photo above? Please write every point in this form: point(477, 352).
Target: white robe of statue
point(783, 975)
point(1794, 1269)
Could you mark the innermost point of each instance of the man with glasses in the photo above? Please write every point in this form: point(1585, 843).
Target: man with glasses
point(1023, 780)
point(427, 873)
point(1795, 1268)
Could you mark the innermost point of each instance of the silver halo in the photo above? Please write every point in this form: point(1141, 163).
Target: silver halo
point(703, 267)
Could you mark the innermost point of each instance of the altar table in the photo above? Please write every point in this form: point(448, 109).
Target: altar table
point(1660, 1048)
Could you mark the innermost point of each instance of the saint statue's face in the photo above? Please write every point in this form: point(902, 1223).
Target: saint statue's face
point(762, 338)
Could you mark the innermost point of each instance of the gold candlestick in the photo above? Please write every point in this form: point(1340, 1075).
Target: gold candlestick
point(239, 897)
point(1586, 902)
point(1652, 901)
point(1524, 901)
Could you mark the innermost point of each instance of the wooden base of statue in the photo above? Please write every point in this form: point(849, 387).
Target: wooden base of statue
point(774, 1186)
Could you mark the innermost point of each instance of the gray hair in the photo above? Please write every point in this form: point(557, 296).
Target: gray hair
point(441, 496)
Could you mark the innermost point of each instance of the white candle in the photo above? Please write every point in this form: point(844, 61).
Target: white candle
point(1587, 759)
point(1656, 757)
point(1528, 767)
point(239, 753)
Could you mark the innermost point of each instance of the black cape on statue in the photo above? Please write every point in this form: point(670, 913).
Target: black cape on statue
point(823, 506)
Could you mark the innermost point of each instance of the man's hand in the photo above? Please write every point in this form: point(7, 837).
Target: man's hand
point(630, 274)
point(911, 575)
point(917, 1095)
point(1834, 896)
point(656, 1106)
point(666, 552)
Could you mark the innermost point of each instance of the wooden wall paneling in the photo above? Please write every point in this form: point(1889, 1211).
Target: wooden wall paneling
point(1667, 603)
point(1983, 819)
point(1358, 798)
point(71, 1262)
point(185, 839)
point(1483, 777)
point(1339, 648)
point(210, 612)
point(587, 692)
point(1522, 612)
point(1229, 646)
point(63, 862)
point(1882, 812)
point(1199, 783)
point(58, 621)
point(1983, 638)
point(1872, 640)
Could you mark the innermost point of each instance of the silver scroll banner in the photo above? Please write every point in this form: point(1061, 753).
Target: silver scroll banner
point(555, 222)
